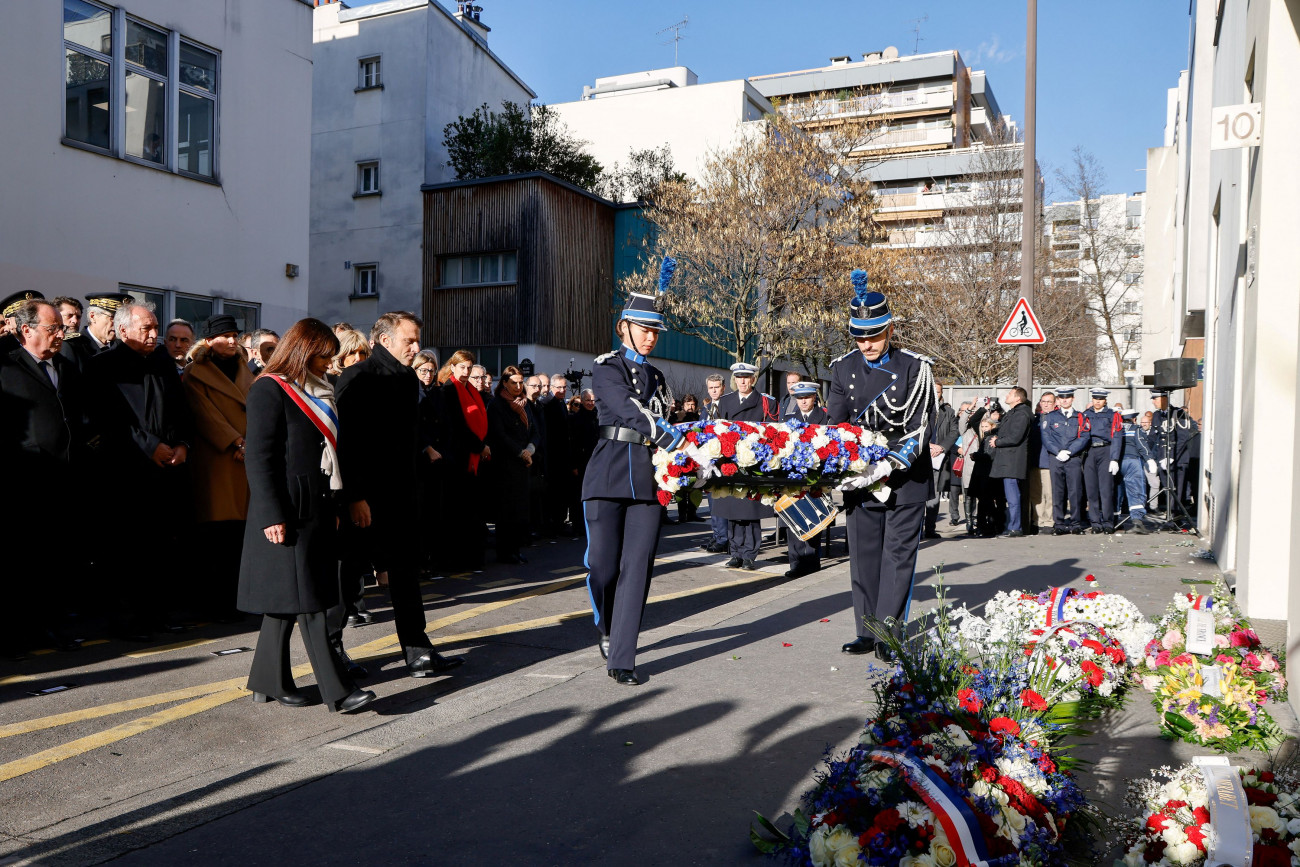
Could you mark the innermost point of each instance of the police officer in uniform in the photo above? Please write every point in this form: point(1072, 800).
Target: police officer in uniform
point(744, 516)
point(891, 391)
point(620, 498)
point(1177, 442)
point(97, 337)
point(9, 338)
point(1105, 441)
point(1065, 438)
point(805, 557)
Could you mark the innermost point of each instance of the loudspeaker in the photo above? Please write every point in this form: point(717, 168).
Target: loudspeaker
point(1176, 373)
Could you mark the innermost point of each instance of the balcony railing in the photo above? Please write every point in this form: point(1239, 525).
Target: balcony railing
point(833, 109)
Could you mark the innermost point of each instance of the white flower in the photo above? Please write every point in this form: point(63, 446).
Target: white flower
point(817, 847)
point(842, 846)
point(820, 441)
point(942, 852)
point(745, 456)
point(923, 860)
point(1184, 853)
point(1266, 817)
point(712, 450)
point(915, 814)
point(1173, 834)
point(1293, 827)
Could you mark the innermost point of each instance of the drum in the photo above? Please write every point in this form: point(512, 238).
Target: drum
point(806, 516)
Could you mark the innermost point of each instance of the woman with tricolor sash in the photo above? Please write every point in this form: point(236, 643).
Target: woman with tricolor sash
point(287, 573)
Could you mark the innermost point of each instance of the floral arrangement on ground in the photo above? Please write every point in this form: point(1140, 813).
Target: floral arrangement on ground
point(960, 764)
point(1173, 819)
point(1215, 699)
point(764, 461)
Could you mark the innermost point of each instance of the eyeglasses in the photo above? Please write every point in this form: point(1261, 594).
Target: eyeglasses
point(478, 378)
point(424, 370)
point(52, 329)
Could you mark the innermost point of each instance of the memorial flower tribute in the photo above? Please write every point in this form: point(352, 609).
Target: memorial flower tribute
point(1175, 824)
point(765, 461)
point(1210, 688)
point(1116, 614)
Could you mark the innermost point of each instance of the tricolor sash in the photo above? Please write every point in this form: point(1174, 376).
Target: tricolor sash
point(949, 807)
point(1202, 603)
point(317, 411)
point(1056, 603)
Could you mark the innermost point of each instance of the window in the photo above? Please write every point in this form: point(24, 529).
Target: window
point(1134, 335)
point(1129, 307)
point(485, 268)
point(368, 178)
point(370, 73)
point(169, 304)
point(366, 282)
point(1132, 278)
point(1133, 221)
point(165, 113)
point(1133, 251)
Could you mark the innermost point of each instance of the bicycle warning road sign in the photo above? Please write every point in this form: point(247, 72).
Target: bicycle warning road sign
point(1022, 326)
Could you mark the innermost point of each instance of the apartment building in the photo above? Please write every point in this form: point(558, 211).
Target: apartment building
point(145, 152)
point(388, 77)
point(1097, 246)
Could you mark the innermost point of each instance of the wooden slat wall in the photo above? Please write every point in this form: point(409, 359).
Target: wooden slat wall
point(565, 246)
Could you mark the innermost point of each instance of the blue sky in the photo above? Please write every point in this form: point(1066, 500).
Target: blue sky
point(1104, 66)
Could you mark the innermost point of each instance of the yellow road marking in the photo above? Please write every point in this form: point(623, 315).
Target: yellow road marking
point(94, 641)
point(15, 678)
point(221, 692)
point(167, 648)
point(35, 761)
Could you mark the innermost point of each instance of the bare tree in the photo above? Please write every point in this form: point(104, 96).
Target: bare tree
point(1109, 270)
point(764, 235)
point(957, 280)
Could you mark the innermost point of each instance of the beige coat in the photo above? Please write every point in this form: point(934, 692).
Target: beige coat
point(220, 420)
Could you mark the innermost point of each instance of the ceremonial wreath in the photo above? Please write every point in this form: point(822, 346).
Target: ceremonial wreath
point(1176, 823)
point(765, 461)
point(1211, 675)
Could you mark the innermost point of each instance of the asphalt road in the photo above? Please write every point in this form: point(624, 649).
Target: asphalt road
point(528, 754)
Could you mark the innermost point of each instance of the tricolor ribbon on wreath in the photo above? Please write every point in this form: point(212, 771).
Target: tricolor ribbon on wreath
point(950, 809)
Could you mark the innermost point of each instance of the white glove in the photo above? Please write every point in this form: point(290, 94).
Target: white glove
point(1114, 467)
point(874, 473)
point(1151, 466)
point(1063, 455)
point(1164, 463)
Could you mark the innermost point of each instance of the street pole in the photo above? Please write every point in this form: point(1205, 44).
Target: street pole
point(1029, 193)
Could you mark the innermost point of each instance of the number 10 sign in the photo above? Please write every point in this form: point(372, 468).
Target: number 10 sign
point(1235, 126)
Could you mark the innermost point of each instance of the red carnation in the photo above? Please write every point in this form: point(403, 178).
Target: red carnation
point(969, 701)
point(1094, 672)
point(1197, 835)
point(1004, 725)
point(1089, 577)
point(665, 498)
point(692, 437)
point(674, 470)
point(1094, 645)
point(1202, 815)
point(728, 469)
point(1266, 776)
point(1182, 659)
point(1157, 822)
point(728, 450)
point(1032, 700)
point(888, 820)
point(1046, 765)
point(989, 774)
point(1116, 655)
point(1259, 797)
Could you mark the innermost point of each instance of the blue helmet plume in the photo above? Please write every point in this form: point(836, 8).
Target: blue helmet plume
point(666, 273)
point(859, 280)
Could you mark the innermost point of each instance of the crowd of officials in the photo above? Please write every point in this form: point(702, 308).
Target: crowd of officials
point(175, 446)
point(204, 459)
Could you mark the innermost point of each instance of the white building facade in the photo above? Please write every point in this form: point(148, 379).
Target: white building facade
point(146, 152)
point(641, 110)
point(1225, 237)
point(1098, 248)
point(388, 77)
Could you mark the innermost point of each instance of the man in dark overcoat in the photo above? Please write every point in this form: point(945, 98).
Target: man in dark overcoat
point(942, 441)
point(142, 420)
point(558, 456)
point(891, 391)
point(379, 449)
point(42, 435)
point(1011, 457)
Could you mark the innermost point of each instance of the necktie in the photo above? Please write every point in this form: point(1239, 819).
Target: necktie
point(49, 372)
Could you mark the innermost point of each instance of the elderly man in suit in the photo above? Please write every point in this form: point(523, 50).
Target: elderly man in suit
point(42, 431)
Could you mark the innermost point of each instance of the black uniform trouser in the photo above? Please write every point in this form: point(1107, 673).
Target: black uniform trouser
point(882, 561)
point(805, 557)
point(270, 673)
point(1067, 490)
point(954, 501)
point(744, 538)
point(622, 537)
point(1101, 488)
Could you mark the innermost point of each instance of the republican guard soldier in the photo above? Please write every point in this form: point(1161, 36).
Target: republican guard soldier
point(891, 391)
point(805, 557)
point(1066, 437)
point(744, 517)
point(1105, 442)
point(620, 498)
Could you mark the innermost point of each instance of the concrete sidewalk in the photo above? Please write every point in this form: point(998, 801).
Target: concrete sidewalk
point(554, 764)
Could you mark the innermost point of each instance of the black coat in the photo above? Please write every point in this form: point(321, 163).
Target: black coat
point(507, 473)
point(559, 439)
point(1011, 450)
point(136, 402)
point(379, 432)
point(584, 431)
point(42, 431)
point(459, 442)
point(862, 395)
point(286, 485)
point(819, 415)
point(756, 408)
point(81, 347)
